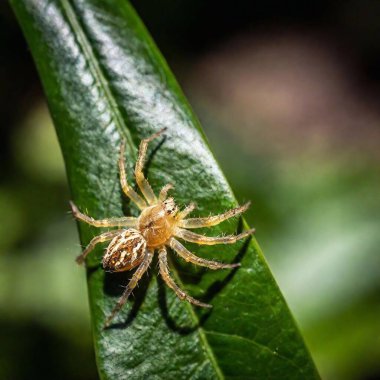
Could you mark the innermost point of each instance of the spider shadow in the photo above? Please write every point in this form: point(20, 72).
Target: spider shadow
point(219, 285)
point(112, 287)
point(149, 158)
point(169, 320)
point(210, 293)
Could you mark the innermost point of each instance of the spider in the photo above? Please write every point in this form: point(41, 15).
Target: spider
point(159, 224)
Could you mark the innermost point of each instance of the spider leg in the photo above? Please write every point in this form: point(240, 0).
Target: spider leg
point(131, 285)
point(164, 192)
point(128, 191)
point(127, 221)
point(94, 241)
point(212, 220)
point(142, 182)
point(190, 257)
point(164, 271)
point(208, 240)
point(186, 211)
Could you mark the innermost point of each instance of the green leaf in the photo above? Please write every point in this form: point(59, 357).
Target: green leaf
point(104, 79)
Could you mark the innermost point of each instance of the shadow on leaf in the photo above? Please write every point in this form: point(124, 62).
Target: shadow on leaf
point(113, 287)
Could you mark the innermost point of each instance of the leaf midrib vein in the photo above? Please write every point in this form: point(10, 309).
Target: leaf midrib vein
point(96, 71)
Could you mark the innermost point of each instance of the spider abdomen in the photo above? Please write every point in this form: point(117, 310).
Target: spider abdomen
point(125, 251)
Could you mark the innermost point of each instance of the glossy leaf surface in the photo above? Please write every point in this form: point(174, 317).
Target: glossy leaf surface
point(104, 79)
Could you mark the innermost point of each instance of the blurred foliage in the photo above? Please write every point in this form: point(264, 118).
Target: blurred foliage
point(330, 276)
point(42, 324)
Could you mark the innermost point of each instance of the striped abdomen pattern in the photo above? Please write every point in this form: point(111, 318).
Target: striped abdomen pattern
point(125, 251)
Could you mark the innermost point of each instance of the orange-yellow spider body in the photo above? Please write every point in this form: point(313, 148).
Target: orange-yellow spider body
point(159, 224)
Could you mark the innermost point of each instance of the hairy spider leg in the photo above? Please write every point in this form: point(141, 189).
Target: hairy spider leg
point(190, 257)
point(209, 240)
point(214, 219)
point(186, 211)
point(142, 182)
point(164, 271)
point(128, 191)
point(131, 285)
point(164, 192)
point(126, 221)
point(96, 240)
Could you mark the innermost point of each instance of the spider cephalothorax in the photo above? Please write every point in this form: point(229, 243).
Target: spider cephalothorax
point(157, 227)
point(157, 223)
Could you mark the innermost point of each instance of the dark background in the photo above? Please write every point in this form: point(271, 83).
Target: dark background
point(288, 94)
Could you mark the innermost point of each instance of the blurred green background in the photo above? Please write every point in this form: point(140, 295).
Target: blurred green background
point(289, 99)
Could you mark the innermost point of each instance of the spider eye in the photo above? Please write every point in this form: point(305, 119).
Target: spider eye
point(170, 206)
point(125, 251)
